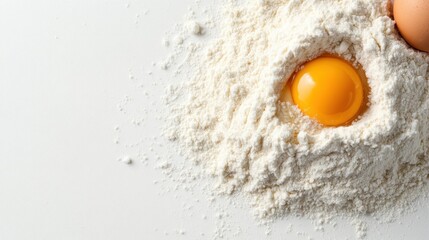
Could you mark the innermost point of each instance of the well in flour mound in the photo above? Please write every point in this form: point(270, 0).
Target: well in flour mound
point(234, 126)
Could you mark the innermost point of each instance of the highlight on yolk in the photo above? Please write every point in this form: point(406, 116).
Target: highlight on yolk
point(328, 89)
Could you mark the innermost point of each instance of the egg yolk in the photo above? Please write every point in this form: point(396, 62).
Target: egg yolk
point(328, 89)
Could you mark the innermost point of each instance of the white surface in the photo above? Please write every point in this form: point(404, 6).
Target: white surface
point(64, 68)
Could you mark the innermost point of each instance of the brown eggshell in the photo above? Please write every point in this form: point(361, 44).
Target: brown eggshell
point(412, 19)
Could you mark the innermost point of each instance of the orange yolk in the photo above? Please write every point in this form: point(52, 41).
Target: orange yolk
point(328, 89)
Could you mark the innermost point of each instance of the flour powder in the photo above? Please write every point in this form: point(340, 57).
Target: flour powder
point(233, 124)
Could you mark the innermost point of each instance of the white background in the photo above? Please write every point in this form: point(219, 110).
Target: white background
point(65, 70)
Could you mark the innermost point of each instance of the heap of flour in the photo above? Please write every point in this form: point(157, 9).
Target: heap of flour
point(233, 125)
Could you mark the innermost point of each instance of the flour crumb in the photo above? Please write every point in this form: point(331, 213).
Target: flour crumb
point(165, 42)
point(361, 228)
point(194, 28)
point(126, 160)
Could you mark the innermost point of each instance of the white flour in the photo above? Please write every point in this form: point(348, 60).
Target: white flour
point(233, 125)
